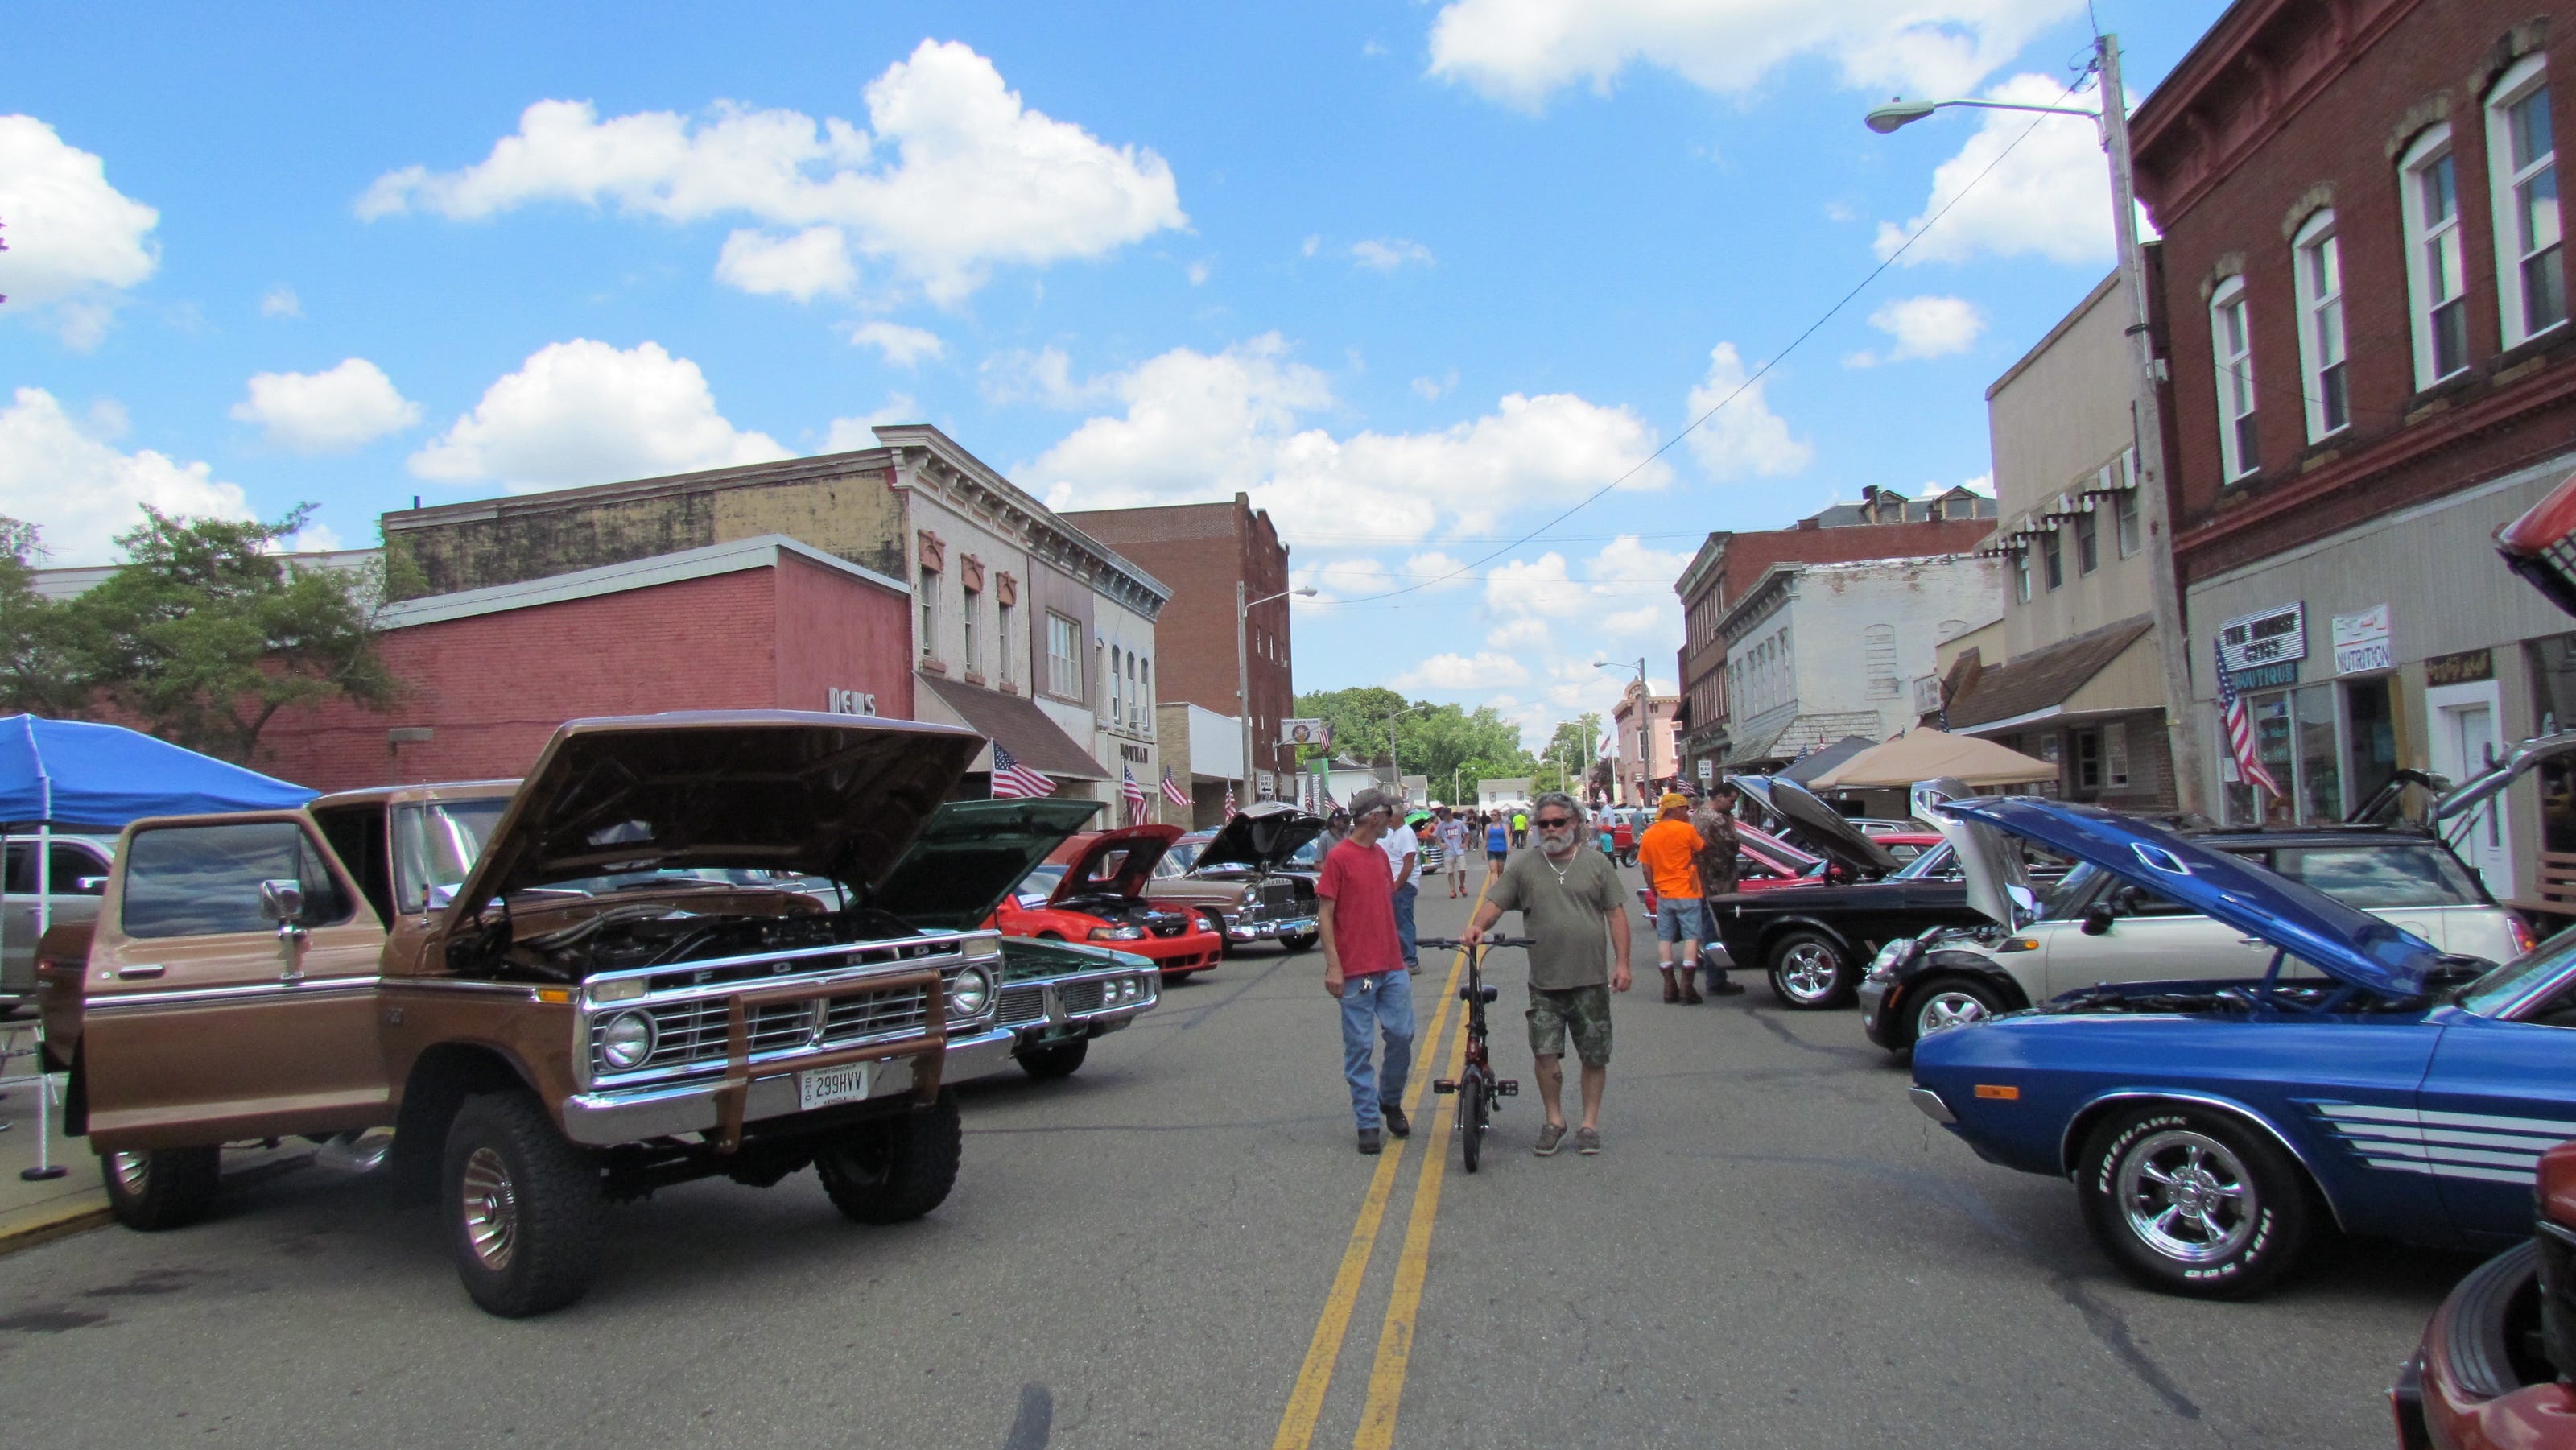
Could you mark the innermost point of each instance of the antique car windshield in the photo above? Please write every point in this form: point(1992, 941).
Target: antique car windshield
point(1039, 885)
point(2381, 877)
point(1309, 854)
point(1178, 860)
point(436, 843)
point(2501, 988)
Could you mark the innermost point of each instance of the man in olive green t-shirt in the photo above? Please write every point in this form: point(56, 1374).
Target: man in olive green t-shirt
point(1570, 903)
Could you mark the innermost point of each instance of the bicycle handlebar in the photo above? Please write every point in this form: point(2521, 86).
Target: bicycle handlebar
point(1491, 941)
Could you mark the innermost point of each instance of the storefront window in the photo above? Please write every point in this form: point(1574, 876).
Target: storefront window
point(2320, 790)
point(2370, 736)
point(2553, 691)
point(2272, 747)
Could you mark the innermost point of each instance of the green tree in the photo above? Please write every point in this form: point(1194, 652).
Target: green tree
point(1446, 743)
point(205, 634)
point(38, 671)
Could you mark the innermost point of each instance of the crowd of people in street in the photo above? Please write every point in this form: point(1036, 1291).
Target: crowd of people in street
point(1573, 908)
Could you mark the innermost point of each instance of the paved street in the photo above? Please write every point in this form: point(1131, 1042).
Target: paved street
point(1773, 1250)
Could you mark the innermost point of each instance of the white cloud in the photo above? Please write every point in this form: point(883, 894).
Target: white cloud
point(1387, 254)
point(1338, 579)
point(1745, 439)
point(1429, 389)
point(953, 176)
point(280, 301)
point(1044, 376)
point(849, 435)
point(802, 265)
point(1524, 633)
point(1983, 483)
point(327, 412)
point(1437, 572)
point(1201, 426)
point(1198, 274)
point(902, 346)
point(2050, 198)
point(583, 412)
point(74, 242)
point(83, 491)
point(312, 539)
point(1522, 51)
point(1924, 327)
point(1307, 247)
point(1458, 672)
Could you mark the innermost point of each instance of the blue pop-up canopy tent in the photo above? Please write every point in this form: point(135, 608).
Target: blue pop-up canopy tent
point(71, 773)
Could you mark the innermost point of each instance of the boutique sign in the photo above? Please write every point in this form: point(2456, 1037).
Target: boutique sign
point(2263, 650)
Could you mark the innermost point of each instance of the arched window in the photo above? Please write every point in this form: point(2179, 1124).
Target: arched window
point(2522, 167)
point(2231, 341)
point(2317, 258)
point(2428, 190)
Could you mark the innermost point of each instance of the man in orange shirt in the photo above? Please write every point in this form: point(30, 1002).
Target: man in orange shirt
point(1669, 854)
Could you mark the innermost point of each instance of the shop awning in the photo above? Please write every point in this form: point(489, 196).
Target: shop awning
point(2038, 685)
point(1801, 733)
point(1929, 754)
point(1816, 762)
point(1014, 720)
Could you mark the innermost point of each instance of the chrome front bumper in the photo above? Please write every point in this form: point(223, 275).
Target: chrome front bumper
point(632, 1115)
point(1268, 930)
point(1930, 1105)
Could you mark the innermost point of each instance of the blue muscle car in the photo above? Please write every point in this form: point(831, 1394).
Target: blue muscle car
point(2208, 1125)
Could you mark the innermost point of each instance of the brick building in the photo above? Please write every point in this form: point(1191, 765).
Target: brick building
point(1210, 555)
point(1644, 734)
point(761, 623)
point(2370, 370)
point(1883, 525)
point(1021, 626)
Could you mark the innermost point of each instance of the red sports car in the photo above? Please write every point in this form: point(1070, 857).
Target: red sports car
point(2492, 1372)
point(1092, 889)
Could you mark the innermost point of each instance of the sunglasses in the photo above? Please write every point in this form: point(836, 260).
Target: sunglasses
point(1553, 823)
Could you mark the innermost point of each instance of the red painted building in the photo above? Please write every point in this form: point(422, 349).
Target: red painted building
point(2364, 302)
point(762, 623)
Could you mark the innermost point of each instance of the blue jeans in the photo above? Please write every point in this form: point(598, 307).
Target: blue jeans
point(1385, 1000)
point(1404, 897)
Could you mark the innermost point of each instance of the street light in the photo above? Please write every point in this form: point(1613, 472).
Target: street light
point(2182, 726)
point(1645, 718)
point(1243, 670)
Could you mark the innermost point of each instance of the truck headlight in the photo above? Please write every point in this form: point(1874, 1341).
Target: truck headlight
point(968, 992)
point(627, 1040)
point(1116, 933)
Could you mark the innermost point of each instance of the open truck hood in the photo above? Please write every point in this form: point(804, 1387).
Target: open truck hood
point(2344, 942)
point(1997, 878)
point(1817, 826)
point(1262, 835)
point(1142, 845)
point(841, 796)
point(972, 853)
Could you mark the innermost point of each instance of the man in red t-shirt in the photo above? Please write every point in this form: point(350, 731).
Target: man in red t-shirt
point(1364, 967)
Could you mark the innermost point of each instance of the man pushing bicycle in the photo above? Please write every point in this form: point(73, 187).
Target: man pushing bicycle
point(1567, 898)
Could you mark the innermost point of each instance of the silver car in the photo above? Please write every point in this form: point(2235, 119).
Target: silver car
point(75, 877)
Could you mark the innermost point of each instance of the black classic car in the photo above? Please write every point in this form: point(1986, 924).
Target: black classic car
point(1815, 941)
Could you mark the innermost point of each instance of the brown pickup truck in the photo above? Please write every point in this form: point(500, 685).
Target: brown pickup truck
point(579, 988)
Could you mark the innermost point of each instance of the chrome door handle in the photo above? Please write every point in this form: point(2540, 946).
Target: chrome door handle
point(131, 973)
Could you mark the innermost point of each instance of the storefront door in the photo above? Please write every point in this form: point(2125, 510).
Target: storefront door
point(2463, 721)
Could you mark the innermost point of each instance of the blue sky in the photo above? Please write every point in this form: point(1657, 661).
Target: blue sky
point(1418, 277)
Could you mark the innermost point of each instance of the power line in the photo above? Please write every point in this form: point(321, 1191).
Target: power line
point(1757, 375)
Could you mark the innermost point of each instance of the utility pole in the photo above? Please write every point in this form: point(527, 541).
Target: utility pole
point(2173, 643)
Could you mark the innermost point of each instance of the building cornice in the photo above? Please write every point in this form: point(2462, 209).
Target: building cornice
point(924, 457)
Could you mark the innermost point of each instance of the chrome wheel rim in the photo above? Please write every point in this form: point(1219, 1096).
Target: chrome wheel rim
point(2187, 1196)
point(1945, 1010)
point(1808, 971)
point(132, 1171)
point(491, 1207)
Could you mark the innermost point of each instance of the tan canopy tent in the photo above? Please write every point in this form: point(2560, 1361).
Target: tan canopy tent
point(1925, 754)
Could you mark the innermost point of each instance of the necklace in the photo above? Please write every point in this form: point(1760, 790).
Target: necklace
point(1559, 870)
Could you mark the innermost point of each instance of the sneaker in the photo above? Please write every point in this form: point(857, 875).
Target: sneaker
point(1369, 1142)
point(1396, 1122)
point(1549, 1135)
point(1587, 1141)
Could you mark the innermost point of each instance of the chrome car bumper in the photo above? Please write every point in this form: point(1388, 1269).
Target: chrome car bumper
point(1102, 1001)
point(1236, 930)
point(1931, 1106)
point(632, 1115)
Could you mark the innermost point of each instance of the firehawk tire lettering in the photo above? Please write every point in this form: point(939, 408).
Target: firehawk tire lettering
point(2279, 1223)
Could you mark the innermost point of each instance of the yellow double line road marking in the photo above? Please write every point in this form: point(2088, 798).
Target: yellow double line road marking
point(1395, 1334)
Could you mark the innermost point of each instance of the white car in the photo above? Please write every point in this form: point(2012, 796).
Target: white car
point(2093, 928)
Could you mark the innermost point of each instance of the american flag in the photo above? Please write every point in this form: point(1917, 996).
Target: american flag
point(2238, 722)
point(1133, 793)
point(1012, 780)
point(1229, 803)
point(1172, 790)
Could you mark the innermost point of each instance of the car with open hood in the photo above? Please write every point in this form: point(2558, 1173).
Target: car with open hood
point(1814, 942)
point(667, 954)
point(1244, 872)
point(2094, 927)
point(1092, 889)
point(2212, 1126)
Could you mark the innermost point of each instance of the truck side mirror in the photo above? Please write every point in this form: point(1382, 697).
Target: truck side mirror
point(2097, 919)
point(281, 901)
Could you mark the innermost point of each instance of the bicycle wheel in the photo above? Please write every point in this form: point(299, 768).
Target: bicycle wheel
point(1471, 1116)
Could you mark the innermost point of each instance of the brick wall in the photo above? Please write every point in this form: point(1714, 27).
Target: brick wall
point(2295, 104)
point(839, 633)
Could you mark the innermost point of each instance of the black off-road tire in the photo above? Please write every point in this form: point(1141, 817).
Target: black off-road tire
point(2257, 1233)
point(892, 1170)
point(1054, 1059)
point(1301, 941)
point(523, 1206)
point(1810, 972)
point(1955, 1000)
point(161, 1188)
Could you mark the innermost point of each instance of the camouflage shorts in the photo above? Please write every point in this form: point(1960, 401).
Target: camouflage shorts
point(1585, 1010)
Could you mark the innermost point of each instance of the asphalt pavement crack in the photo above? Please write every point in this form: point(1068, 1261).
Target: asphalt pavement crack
point(2111, 1327)
point(1035, 1423)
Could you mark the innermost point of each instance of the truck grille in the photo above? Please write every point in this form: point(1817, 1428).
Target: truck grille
point(1080, 996)
point(1167, 924)
point(1278, 899)
point(1021, 1005)
point(692, 1033)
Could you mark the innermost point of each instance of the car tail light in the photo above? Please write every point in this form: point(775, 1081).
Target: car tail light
point(2556, 1185)
point(2523, 940)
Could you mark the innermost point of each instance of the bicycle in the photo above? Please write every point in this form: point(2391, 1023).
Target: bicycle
point(1476, 1087)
